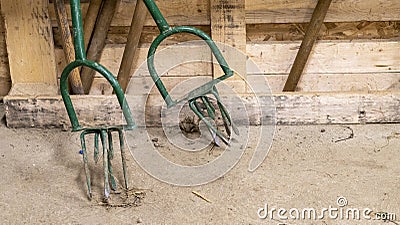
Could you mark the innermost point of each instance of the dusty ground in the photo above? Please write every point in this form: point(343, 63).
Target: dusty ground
point(42, 180)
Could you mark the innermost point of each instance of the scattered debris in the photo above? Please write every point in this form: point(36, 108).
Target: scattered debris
point(392, 136)
point(127, 198)
point(201, 196)
point(189, 124)
point(155, 142)
point(346, 138)
point(154, 139)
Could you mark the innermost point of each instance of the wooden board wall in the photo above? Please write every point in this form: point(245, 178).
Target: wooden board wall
point(5, 79)
point(358, 54)
point(265, 21)
point(269, 26)
point(30, 46)
point(197, 12)
point(289, 108)
point(335, 66)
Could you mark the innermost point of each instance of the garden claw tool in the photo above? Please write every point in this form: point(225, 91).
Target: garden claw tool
point(200, 94)
point(102, 133)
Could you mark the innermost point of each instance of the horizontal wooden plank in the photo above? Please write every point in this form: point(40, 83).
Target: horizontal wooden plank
point(339, 82)
point(333, 66)
point(184, 12)
point(145, 85)
point(170, 61)
point(327, 57)
point(329, 31)
point(195, 12)
point(273, 58)
point(290, 108)
point(118, 35)
point(308, 83)
point(268, 32)
point(300, 11)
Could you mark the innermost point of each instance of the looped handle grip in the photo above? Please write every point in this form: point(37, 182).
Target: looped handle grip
point(183, 29)
point(109, 77)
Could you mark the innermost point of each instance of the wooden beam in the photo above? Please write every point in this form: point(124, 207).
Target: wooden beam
point(307, 44)
point(90, 20)
point(5, 78)
point(30, 43)
point(98, 42)
point(68, 46)
point(130, 50)
point(300, 11)
point(197, 12)
point(290, 108)
point(228, 28)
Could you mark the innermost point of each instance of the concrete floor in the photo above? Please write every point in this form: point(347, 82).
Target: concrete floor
point(42, 181)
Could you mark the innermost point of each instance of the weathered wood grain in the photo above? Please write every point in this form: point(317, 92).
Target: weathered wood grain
point(5, 78)
point(305, 108)
point(68, 46)
point(333, 66)
point(97, 42)
point(135, 31)
point(276, 58)
point(328, 57)
point(29, 42)
point(300, 11)
point(228, 27)
point(197, 12)
point(307, 44)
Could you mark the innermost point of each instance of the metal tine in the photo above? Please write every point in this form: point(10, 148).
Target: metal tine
point(209, 125)
point(110, 145)
point(85, 163)
point(210, 108)
point(96, 147)
point(123, 157)
point(213, 135)
point(103, 134)
point(110, 153)
point(224, 111)
point(227, 118)
point(226, 122)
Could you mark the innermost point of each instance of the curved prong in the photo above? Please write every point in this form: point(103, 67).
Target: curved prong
point(110, 153)
point(224, 112)
point(103, 134)
point(110, 145)
point(85, 164)
point(96, 147)
point(210, 108)
point(123, 157)
point(192, 105)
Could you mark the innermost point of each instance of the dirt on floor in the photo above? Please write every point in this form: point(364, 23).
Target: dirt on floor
point(338, 171)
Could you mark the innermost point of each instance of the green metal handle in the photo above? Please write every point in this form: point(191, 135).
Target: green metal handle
point(183, 29)
point(166, 31)
point(109, 77)
point(82, 61)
